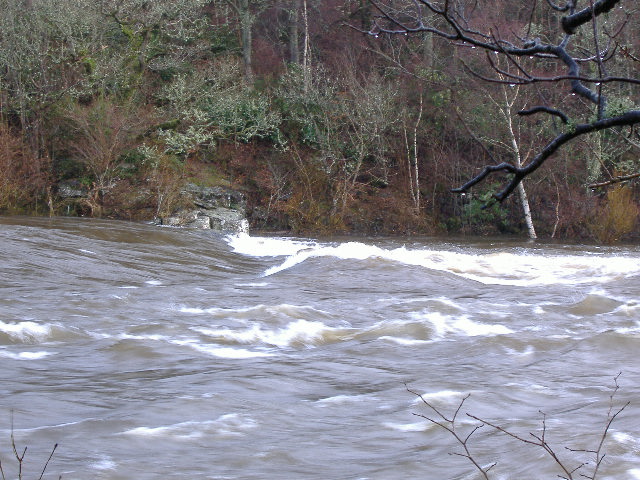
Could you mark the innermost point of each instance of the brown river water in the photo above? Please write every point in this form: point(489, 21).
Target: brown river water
point(154, 353)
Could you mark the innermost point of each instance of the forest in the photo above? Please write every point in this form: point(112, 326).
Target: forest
point(330, 116)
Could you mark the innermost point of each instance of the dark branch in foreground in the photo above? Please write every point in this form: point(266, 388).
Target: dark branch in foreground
point(549, 110)
point(452, 20)
point(629, 118)
point(19, 456)
point(449, 424)
point(571, 22)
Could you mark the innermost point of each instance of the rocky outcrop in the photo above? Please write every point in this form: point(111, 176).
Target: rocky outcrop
point(217, 208)
point(71, 189)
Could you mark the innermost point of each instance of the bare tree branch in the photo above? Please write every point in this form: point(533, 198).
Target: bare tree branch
point(453, 21)
point(533, 439)
point(628, 118)
point(550, 111)
point(449, 424)
point(614, 180)
point(571, 23)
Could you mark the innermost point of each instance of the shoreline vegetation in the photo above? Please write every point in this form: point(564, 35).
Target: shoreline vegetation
point(114, 109)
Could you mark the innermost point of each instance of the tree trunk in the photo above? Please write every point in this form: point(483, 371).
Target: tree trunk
point(306, 53)
point(524, 201)
point(246, 35)
point(522, 194)
point(294, 32)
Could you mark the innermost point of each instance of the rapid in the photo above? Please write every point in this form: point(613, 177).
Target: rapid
point(147, 352)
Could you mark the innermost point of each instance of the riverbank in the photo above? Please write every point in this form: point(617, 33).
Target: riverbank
point(257, 188)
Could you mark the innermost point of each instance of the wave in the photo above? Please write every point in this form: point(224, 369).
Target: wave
point(343, 399)
point(409, 427)
point(515, 266)
point(445, 324)
point(221, 352)
point(259, 311)
point(103, 462)
point(295, 334)
point(24, 355)
point(287, 331)
point(28, 332)
point(229, 425)
point(442, 396)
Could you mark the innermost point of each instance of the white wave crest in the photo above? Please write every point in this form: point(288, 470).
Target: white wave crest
point(404, 341)
point(343, 399)
point(267, 246)
point(442, 395)
point(299, 332)
point(221, 352)
point(627, 439)
point(521, 267)
point(259, 311)
point(26, 331)
point(104, 462)
point(24, 355)
point(445, 324)
point(229, 425)
point(409, 427)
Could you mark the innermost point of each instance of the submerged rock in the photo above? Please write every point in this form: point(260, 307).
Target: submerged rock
point(217, 208)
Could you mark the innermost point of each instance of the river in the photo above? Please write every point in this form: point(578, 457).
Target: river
point(149, 352)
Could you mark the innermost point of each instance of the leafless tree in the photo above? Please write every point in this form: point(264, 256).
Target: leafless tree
point(578, 56)
point(569, 468)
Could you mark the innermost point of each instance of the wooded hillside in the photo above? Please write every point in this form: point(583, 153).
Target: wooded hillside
point(324, 128)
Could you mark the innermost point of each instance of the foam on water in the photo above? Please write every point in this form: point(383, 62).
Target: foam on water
point(461, 325)
point(629, 309)
point(529, 350)
point(221, 352)
point(404, 341)
point(521, 267)
point(26, 331)
point(300, 332)
point(409, 427)
point(267, 246)
point(291, 326)
point(627, 439)
point(442, 396)
point(24, 355)
point(104, 462)
point(343, 399)
point(258, 311)
point(229, 425)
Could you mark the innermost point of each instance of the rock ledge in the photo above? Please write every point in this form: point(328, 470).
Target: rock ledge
point(216, 208)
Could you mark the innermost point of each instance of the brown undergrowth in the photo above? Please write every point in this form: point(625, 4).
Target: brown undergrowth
point(25, 181)
point(617, 217)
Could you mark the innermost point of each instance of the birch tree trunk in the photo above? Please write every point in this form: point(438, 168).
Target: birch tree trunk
point(522, 194)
